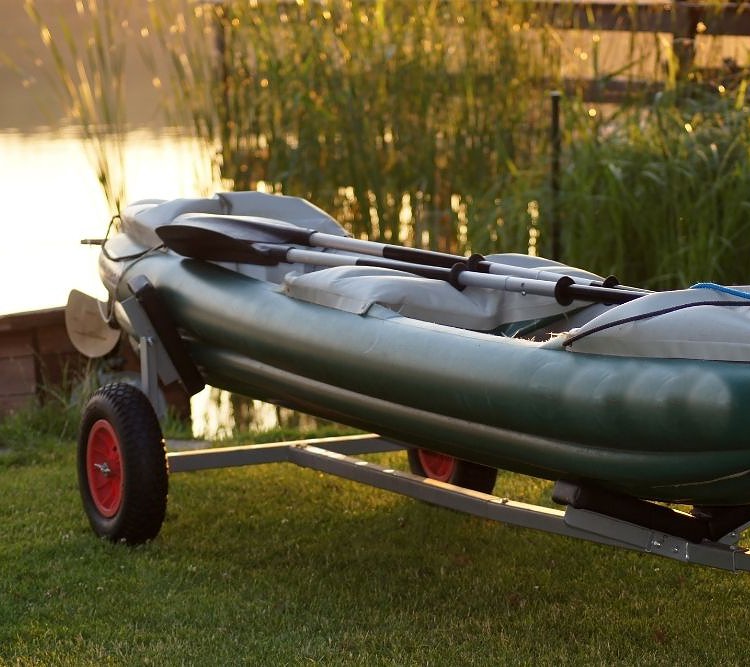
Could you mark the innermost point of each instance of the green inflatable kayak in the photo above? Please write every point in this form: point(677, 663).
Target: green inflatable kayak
point(509, 362)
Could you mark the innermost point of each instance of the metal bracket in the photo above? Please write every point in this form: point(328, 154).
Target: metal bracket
point(154, 360)
point(733, 537)
point(631, 536)
point(274, 452)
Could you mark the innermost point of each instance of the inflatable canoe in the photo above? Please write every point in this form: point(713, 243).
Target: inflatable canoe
point(506, 362)
point(647, 398)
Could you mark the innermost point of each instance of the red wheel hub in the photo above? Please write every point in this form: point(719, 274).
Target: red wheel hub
point(437, 466)
point(104, 468)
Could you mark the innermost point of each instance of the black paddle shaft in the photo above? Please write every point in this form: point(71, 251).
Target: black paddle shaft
point(253, 229)
point(199, 242)
point(567, 291)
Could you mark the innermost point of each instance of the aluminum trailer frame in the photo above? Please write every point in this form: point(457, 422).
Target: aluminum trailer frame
point(333, 456)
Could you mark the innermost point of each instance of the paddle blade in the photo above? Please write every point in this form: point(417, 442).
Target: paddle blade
point(90, 334)
point(208, 244)
point(248, 227)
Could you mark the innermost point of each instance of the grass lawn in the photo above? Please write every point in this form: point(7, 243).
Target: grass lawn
point(274, 565)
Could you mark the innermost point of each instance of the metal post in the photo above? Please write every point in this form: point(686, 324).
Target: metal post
point(556, 148)
point(149, 374)
point(686, 18)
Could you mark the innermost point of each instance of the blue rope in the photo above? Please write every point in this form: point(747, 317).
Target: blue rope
point(721, 288)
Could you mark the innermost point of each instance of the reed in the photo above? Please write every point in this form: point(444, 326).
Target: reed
point(385, 113)
point(88, 77)
point(390, 116)
point(658, 193)
point(427, 124)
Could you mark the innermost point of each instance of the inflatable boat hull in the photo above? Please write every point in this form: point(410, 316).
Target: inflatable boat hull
point(665, 429)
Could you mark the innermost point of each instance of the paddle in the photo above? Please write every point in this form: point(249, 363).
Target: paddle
point(199, 242)
point(266, 230)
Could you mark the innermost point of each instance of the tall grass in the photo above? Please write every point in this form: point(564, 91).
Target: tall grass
point(404, 119)
point(427, 124)
point(35, 433)
point(659, 193)
point(88, 77)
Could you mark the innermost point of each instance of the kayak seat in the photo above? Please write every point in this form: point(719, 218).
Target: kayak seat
point(140, 219)
point(295, 210)
point(541, 264)
point(356, 289)
point(700, 323)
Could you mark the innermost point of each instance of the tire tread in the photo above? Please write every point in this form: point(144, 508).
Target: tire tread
point(144, 460)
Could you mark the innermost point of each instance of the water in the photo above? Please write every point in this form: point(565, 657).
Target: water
point(51, 200)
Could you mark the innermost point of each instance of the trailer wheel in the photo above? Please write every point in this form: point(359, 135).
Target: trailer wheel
point(122, 465)
point(445, 468)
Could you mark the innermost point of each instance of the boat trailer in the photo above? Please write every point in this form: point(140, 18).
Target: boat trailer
point(639, 525)
point(336, 456)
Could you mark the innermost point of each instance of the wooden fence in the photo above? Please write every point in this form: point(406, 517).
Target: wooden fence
point(687, 22)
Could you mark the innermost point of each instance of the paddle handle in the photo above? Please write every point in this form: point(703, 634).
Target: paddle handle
point(565, 290)
point(316, 258)
point(441, 259)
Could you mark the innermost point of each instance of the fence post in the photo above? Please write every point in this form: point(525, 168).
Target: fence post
point(686, 18)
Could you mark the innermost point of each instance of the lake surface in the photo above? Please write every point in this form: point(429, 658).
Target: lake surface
point(51, 200)
point(49, 191)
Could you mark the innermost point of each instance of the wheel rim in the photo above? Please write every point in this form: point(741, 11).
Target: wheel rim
point(437, 466)
point(104, 468)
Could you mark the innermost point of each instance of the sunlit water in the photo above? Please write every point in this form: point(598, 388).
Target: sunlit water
point(51, 200)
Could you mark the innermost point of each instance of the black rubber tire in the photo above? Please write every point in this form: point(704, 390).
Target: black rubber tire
point(464, 473)
point(124, 414)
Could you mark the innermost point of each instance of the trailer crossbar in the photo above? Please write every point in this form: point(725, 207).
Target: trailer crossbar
point(274, 452)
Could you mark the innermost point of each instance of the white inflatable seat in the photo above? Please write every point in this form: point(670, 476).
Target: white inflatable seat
point(280, 207)
point(541, 264)
point(141, 218)
point(700, 323)
point(356, 289)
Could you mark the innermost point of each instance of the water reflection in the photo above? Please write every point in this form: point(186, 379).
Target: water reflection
point(219, 414)
point(51, 199)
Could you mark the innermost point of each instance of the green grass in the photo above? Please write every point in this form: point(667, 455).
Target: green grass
point(658, 193)
point(279, 565)
point(35, 434)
